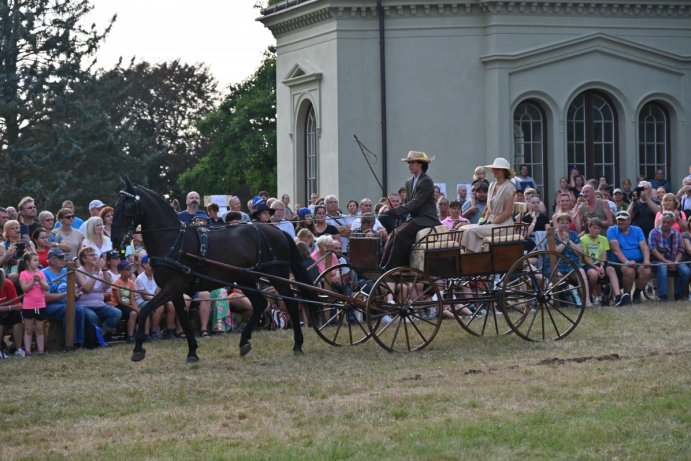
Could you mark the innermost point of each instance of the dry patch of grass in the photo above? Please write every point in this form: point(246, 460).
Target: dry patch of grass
point(618, 387)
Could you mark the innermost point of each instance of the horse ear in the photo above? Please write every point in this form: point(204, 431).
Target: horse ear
point(128, 183)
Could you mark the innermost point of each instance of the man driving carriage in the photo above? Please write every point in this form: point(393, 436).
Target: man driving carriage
point(420, 206)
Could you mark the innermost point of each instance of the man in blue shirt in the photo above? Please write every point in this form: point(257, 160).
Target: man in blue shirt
point(630, 255)
point(56, 298)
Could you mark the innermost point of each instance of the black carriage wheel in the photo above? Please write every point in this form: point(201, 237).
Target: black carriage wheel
point(473, 301)
point(543, 305)
point(340, 322)
point(404, 310)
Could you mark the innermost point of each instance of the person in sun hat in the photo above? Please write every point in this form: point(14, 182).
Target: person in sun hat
point(420, 206)
point(499, 209)
point(262, 212)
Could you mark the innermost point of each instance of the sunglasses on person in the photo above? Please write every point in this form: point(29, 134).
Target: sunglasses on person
point(68, 217)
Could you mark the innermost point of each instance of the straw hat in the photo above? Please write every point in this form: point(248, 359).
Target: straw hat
point(415, 156)
point(500, 163)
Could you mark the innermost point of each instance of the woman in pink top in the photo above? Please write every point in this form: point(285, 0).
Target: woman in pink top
point(34, 285)
point(324, 245)
point(670, 202)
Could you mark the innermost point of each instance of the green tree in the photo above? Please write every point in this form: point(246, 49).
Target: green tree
point(43, 65)
point(242, 134)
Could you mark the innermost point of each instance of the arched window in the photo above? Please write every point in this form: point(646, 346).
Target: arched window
point(592, 143)
point(653, 140)
point(310, 154)
point(530, 141)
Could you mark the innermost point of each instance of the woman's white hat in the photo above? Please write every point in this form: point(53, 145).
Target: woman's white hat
point(500, 163)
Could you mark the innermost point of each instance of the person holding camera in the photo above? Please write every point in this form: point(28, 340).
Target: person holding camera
point(13, 248)
point(643, 207)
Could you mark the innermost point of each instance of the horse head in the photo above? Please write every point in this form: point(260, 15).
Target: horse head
point(127, 214)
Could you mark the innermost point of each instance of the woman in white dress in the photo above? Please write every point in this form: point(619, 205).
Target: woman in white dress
point(499, 210)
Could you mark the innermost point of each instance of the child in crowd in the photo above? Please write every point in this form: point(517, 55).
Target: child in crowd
point(595, 246)
point(568, 243)
point(145, 283)
point(123, 297)
point(34, 285)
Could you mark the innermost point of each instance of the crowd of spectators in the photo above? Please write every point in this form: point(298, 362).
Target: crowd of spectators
point(620, 237)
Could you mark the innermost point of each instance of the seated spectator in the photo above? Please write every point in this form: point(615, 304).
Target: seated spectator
point(568, 243)
point(565, 205)
point(146, 290)
point(236, 205)
point(278, 219)
point(536, 220)
point(135, 245)
point(95, 207)
point(10, 313)
point(670, 203)
point(596, 249)
point(214, 219)
point(684, 196)
point(93, 291)
point(377, 226)
point(304, 220)
point(667, 249)
point(40, 241)
point(233, 217)
point(443, 208)
point(106, 215)
point(262, 213)
point(630, 255)
point(320, 226)
point(323, 252)
point(110, 266)
point(95, 238)
point(69, 238)
point(659, 181)
point(306, 236)
point(454, 220)
point(523, 180)
point(122, 297)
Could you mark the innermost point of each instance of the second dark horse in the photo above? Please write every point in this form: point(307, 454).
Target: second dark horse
point(258, 247)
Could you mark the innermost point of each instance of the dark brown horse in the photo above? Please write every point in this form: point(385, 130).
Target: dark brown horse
point(258, 247)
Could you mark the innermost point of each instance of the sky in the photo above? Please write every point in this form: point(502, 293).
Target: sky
point(223, 34)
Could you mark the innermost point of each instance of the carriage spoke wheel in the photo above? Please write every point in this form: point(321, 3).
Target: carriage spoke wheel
point(473, 301)
point(543, 305)
point(340, 322)
point(404, 310)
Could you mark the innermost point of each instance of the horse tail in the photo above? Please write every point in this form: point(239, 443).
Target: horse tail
point(299, 271)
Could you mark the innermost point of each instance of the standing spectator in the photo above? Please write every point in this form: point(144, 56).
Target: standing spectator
point(287, 211)
point(565, 205)
point(95, 238)
point(523, 180)
point(66, 234)
point(643, 208)
point(27, 217)
point(576, 180)
point(684, 196)
point(618, 199)
point(473, 209)
point(236, 205)
point(304, 219)
point(365, 208)
point(262, 213)
point(12, 213)
point(630, 255)
point(660, 181)
point(56, 298)
point(320, 226)
point(122, 297)
point(34, 285)
point(353, 210)
point(106, 215)
point(4, 217)
point(627, 189)
point(479, 175)
point(95, 207)
point(537, 222)
point(42, 246)
point(667, 248)
point(77, 222)
point(659, 193)
point(564, 189)
point(93, 291)
point(337, 219)
point(192, 201)
point(592, 207)
point(10, 312)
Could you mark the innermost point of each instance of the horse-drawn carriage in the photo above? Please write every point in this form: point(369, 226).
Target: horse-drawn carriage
point(500, 290)
point(497, 291)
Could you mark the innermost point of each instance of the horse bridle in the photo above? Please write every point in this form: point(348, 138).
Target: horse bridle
point(131, 212)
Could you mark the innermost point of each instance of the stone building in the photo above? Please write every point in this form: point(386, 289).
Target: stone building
point(601, 84)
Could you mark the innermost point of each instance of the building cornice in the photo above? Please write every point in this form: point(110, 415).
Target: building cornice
point(297, 14)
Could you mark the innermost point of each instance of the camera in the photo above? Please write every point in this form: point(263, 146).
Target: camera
point(21, 246)
point(638, 190)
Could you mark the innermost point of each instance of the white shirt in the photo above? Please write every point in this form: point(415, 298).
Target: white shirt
point(144, 283)
point(286, 226)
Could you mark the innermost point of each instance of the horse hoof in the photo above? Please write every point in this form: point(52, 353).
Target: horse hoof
point(138, 356)
point(192, 359)
point(245, 349)
point(298, 352)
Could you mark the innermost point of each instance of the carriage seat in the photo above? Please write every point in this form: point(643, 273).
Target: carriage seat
point(432, 238)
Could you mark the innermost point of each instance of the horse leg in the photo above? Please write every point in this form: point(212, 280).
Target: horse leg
point(258, 306)
point(292, 307)
point(139, 352)
point(179, 303)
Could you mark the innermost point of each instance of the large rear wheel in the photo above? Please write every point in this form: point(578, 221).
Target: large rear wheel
point(543, 304)
point(404, 310)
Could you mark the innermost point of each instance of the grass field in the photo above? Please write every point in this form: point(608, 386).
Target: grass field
point(618, 388)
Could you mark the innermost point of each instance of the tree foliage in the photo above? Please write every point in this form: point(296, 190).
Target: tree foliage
point(242, 134)
point(43, 70)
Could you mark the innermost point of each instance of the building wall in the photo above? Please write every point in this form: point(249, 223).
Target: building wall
point(456, 72)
